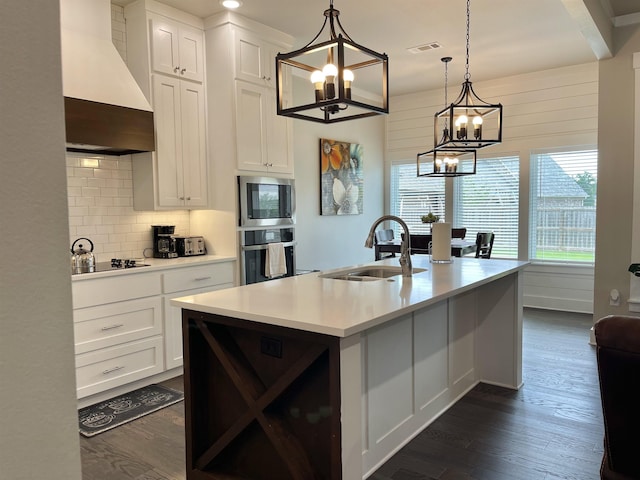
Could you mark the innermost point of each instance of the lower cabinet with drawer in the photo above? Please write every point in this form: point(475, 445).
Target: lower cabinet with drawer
point(126, 330)
point(114, 366)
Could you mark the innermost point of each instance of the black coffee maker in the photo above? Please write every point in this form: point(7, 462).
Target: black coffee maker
point(164, 245)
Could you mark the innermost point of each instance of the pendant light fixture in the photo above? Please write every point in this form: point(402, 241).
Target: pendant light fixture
point(471, 122)
point(448, 162)
point(334, 69)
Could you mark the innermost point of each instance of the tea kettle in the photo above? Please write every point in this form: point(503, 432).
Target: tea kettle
point(82, 260)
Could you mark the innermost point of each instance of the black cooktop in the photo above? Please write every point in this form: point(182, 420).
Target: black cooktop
point(115, 264)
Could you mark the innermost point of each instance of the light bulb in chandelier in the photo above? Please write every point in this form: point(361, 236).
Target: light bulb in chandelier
point(348, 77)
point(461, 127)
point(330, 72)
point(477, 127)
point(317, 78)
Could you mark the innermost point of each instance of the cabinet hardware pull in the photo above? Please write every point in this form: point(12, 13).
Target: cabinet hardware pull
point(200, 279)
point(268, 79)
point(176, 69)
point(183, 70)
point(111, 370)
point(111, 327)
point(188, 198)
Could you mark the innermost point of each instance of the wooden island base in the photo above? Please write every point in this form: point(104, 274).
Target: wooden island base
point(261, 402)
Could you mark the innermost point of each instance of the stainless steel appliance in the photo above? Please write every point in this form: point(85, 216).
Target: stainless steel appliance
point(253, 246)
point(164, 244)
point(82, 260)
point(189, 246)
point(266, 201)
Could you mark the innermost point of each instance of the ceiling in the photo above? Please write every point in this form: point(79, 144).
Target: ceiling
point(507, 37)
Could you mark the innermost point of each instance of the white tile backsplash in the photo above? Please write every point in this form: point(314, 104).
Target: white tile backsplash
point(101, 208)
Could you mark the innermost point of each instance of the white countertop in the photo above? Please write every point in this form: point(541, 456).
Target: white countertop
point(342, 308)
point(155, 264)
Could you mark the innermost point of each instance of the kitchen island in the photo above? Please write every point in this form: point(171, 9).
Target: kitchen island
point(312, 377)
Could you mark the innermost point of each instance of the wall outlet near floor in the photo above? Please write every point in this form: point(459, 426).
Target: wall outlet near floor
point(614, 298)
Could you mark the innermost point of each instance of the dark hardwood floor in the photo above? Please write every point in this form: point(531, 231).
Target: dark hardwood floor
point(548, 430)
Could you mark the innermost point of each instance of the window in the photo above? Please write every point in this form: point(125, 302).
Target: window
point(412, 197)
point(563, 206)
point(488, 201)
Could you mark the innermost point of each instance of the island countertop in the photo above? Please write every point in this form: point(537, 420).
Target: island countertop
point(342, 308)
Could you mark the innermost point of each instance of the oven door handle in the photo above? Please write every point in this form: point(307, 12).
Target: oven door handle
point(263, 246)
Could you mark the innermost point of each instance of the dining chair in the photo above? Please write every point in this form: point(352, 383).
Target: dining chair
point(384, 236)
point(458, 233)
point(420, 243)
point(484, 244)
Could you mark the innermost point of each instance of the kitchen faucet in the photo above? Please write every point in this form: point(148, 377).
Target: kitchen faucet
point(405, 247)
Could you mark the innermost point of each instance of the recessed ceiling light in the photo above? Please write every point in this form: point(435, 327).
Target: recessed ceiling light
point(231, 3)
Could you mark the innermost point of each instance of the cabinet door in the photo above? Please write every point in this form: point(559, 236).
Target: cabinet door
point(194, 159)
point(173, 325)
point(250, 128)
point(255, 59)
point(191, 57)
point(279, 138)
point(164, 47)
point(167, 112)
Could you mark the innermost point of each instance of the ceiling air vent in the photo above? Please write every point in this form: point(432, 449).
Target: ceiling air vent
point(425, 47)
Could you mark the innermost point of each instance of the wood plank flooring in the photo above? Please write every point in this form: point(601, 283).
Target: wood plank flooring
point(550, 429)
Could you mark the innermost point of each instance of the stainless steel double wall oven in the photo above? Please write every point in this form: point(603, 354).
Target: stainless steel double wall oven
point(267, 215)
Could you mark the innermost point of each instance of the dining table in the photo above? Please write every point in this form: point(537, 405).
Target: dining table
point(459, 248)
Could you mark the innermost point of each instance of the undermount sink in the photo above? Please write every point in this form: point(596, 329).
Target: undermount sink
point(368, 274)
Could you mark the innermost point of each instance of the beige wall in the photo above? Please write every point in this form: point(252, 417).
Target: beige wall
point(615, 173)
point(39, 429)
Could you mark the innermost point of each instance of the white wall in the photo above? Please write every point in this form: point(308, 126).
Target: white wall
point(615, 174)
point(39, 432)
point(334, 241)
point(548, 109)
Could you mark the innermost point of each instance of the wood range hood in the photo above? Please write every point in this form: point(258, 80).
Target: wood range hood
point(105, 109)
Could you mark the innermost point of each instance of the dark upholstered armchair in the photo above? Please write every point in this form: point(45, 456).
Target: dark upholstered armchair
point(618, 353)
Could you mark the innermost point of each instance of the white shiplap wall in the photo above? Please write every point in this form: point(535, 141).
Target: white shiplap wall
point(541, 110)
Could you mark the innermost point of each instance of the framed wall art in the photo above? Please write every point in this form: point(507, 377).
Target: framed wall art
point(341, 178)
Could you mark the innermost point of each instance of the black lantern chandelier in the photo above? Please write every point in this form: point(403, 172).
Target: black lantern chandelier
point(446, 162)
point(470, 122)
point(334, 67)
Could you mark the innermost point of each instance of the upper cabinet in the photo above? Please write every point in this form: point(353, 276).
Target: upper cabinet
point(254, 59)
point(165, 53)
point(242, 96)
point(176, 49)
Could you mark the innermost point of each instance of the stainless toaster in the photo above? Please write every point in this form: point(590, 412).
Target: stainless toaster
point(188, 246)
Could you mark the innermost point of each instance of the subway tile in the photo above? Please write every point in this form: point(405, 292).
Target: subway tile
point(90, 192)
point(98, 211)
point(76, 181)
point(92, 220)
point(104, 201)
point(95, 182)
point(109, 192)
point(102, 173)
point(78, 211)
point(83, 172)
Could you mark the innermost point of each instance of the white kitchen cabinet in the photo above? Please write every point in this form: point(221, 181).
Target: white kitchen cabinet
point(242, 96)
point(180, 283)
point(125, 328)
point(181, 162)
point(254, 58)
point(118, 331)
point(263, 139)
point(176, 49)
point(165, 53)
